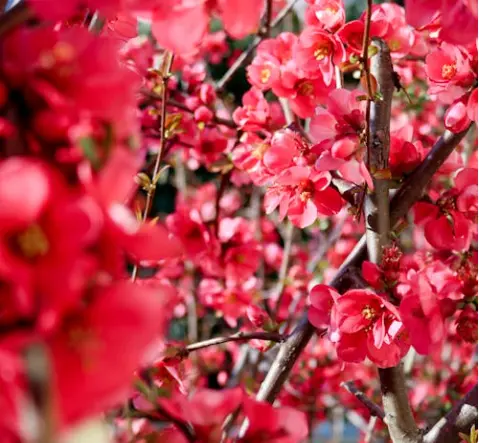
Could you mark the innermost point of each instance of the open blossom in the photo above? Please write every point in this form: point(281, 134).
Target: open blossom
point(303, 194)
point(317, 52)
point(327, 14)
point(388, 22)
point(362, 324)
point(255, 112)
point(421, 312)
point(337, 130)
point(450, 223)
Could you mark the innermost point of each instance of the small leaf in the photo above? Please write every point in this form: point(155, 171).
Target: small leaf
point(156, 178)
point(143, 180)
point(223, 166)
point(88, 147)
point(172, 125)
point(364, 83)
point(372, 50)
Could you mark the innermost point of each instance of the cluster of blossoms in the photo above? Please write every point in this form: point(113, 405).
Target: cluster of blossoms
point(100, 126)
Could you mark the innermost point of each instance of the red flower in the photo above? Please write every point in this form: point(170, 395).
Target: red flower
point(368, 326)
point(205, 411)
point(302, 194)
point(96, 350)
point(322, 299)
point(275, 425)
point(318, 52)
point(421, 313)
point(255, 113)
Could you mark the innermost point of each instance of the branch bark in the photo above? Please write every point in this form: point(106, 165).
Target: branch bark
point(398, 414)
point(373, 408)
point(240, 336)
point(460, 419)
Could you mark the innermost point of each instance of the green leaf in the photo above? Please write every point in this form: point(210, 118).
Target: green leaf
point(88, 147)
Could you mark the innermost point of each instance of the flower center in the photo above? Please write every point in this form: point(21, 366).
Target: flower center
point(305, 190)
point(369, 313)
point(305, 88)
point(32, 242)
point(448, 71)
point(321, 52)
point(265, 75)
point(259, 151)
point(394, 45)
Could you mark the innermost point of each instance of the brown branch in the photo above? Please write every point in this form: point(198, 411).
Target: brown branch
point(366, 73)
point(268, 18)
point(373, 408)
point(399, 418)
point(240, 336)
point(398, 414)
point(39, 379)
point(283, 270)
point(408, 194)
point(250, 49)
point(377, 203)
point(225, 178)
point(14, 17)
point(460, 419)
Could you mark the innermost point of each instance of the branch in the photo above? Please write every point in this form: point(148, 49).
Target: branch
point(249, 50)
point(240, 336)
point(373, 408)
point(399, 418)
point(377, 203)
point(408, 194)
point(14, 17)
point(151, 189)
point(460, 419)
point(398, 414)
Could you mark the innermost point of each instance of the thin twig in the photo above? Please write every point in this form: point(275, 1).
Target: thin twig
point(283, 270)
point(165, 75)
point(14, 17)
point(225, 178)
point(368, 438)
point(239, 336)
point(373, 408)
point(366, 72)
point(268, 18)
point(39, 377)
point(250, 49)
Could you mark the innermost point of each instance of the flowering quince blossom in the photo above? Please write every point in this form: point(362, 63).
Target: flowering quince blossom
point(361, 324)
point(184, 190)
